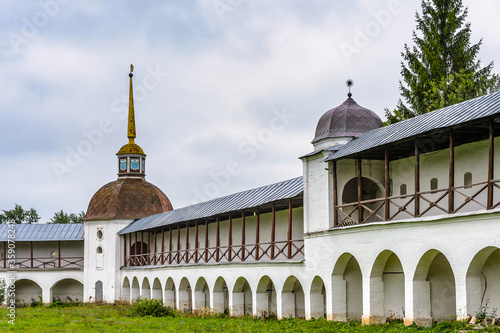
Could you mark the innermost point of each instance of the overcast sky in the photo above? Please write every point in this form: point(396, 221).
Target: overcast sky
point(228, 92)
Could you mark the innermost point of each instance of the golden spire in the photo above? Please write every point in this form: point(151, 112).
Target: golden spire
point(131, 116)
point(131, 147)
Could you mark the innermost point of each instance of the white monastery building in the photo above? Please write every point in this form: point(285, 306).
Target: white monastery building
point(387, 222)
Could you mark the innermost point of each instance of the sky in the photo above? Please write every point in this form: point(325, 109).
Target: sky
point(227, 93)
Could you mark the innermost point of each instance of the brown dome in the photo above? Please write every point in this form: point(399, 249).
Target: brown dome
point(347, 119)
point(127, 198)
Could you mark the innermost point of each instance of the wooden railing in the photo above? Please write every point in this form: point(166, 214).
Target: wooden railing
point(249, 252)
point(28, 263)
point(430, 203)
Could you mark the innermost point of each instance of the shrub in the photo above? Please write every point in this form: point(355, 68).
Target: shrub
point(57, 303)
point(151, 307)
point(3, 286)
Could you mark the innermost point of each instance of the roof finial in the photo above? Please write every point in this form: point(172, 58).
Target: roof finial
point(349, 83)
point(131, 116)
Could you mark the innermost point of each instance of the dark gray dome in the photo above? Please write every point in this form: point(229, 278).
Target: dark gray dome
point(347, 119)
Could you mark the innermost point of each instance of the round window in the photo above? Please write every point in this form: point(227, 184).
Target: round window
point(99, 234)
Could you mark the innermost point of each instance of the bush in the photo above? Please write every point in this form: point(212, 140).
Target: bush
point(3, 286)
point(151, 307)
point(57, 303)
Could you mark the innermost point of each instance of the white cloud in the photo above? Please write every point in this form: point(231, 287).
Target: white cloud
point(225, 78)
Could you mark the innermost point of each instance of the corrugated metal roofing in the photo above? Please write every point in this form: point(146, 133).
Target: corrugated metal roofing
point(43, 232)
point(460, 113)
point(233, 202)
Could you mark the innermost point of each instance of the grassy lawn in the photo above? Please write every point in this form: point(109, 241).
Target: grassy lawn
point(109, 318)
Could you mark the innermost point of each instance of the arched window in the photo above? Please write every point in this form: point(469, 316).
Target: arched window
point(402, 189)
point(98, 291)
point(434, 184)
point(468, 180)
point(99, 249)
point(138, 254)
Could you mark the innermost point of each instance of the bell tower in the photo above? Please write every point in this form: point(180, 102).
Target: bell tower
point(131, 157)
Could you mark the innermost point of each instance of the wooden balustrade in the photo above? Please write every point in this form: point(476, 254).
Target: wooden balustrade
point(249, 252)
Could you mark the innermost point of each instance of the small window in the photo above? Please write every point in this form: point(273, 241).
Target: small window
point(434, 184)
point(468, 180)
point(99, 234)
point(402, 189)
point(99, 249)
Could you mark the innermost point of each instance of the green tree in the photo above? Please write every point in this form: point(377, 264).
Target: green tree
point(64, 218)
point(18, 215)
point(441, 68)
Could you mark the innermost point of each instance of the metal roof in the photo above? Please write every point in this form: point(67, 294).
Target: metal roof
point(347, 119)
point(460, 113)
point(42, 232)
point(233, 202)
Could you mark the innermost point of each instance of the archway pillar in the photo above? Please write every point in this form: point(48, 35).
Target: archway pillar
point(339, 298)
point(229, 301)
point(177, 298)
point(46, 295)
point(307, 304)
point(373, 300)
point(417, 302)
point(461, 296)
point(279, 303)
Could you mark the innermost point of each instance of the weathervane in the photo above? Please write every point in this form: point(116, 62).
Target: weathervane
point(349, 84)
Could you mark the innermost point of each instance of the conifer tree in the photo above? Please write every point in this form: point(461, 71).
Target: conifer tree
point(441, 68)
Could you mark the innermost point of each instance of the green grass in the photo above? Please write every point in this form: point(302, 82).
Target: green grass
point(110, 318)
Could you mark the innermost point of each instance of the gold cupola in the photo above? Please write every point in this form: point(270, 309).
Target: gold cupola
point(131, 157)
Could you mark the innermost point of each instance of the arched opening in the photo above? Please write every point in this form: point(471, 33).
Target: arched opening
point(318, 298)
point(170, 299)
point(136, 292)
point(201, 295)
point(434, 184)
point(433, 289)
point(387, 289)
point(347, 289)
point(185, 296)
point(468, 180)
point(138, 254)
point(242, 298)
point(145, 289)
point(403, 189)
point(483, 284)
point(98, 292)
point(126, 289)
point(292, 299)
point(221, 296)
point(266, 297)
point(370, 190)
point(67, 290)
point(99, 258)
point(27, 292)
point(156, 291)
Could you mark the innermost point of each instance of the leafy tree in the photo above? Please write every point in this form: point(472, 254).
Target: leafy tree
point(18, 215)
point(64, 218)
point(441, 68)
